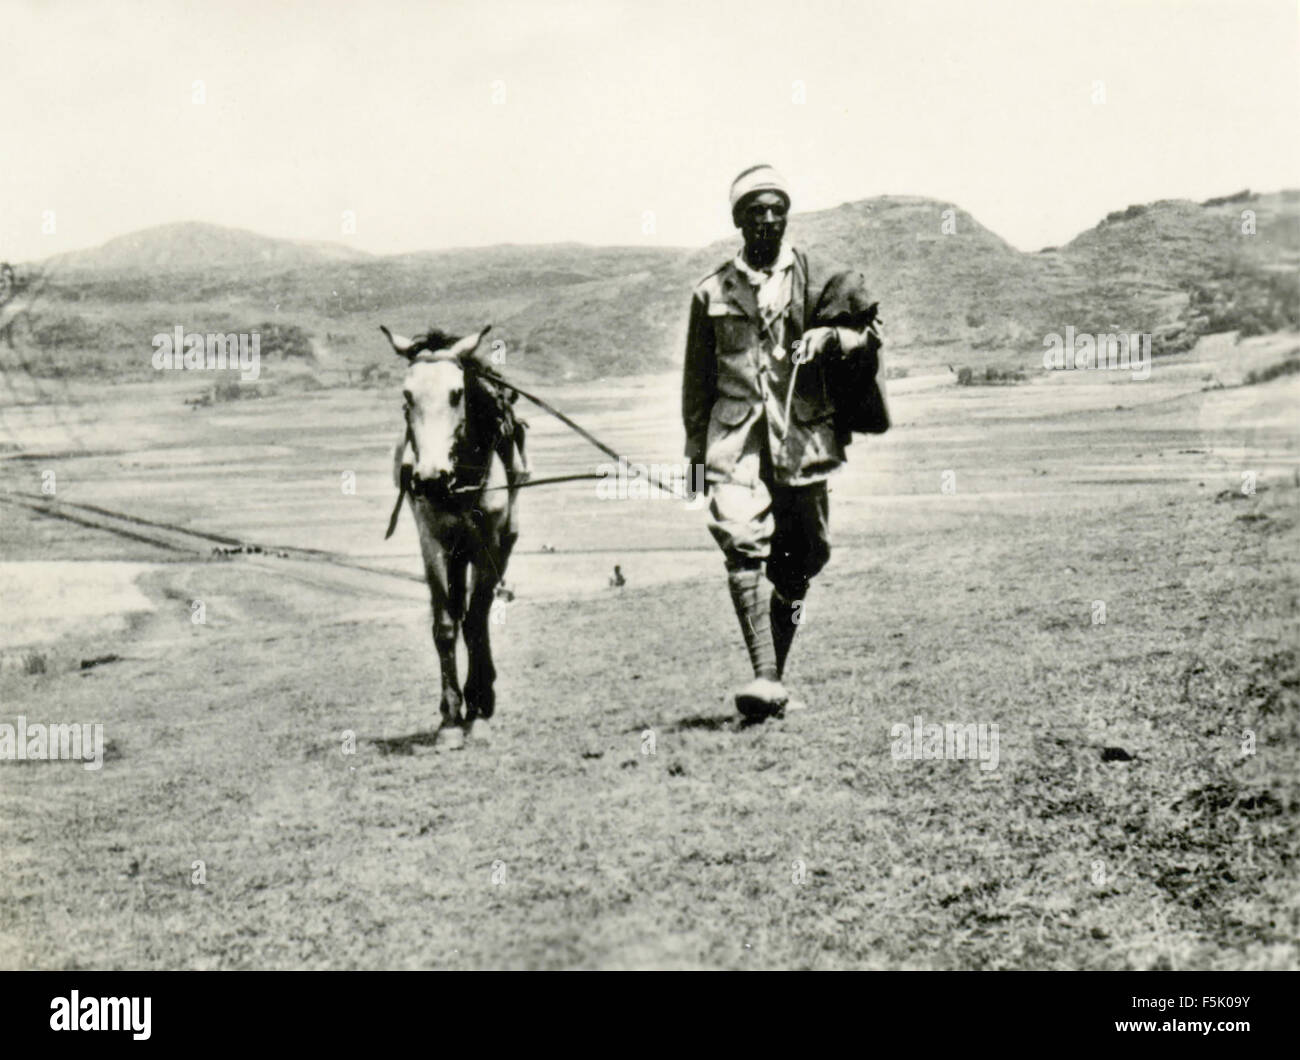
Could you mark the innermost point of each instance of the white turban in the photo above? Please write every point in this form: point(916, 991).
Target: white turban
point(758, 178)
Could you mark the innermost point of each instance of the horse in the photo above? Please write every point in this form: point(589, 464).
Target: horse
point(453, 469)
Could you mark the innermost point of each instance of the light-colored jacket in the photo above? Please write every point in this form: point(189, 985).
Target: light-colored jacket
point(736, 381)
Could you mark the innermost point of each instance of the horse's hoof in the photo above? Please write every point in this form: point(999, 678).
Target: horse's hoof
point(479, 731)
point(450, 738)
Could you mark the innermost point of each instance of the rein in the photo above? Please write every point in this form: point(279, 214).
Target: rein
point(582, 432)
point(408, 487)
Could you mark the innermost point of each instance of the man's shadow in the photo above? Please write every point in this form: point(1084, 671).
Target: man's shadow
point(715, 723)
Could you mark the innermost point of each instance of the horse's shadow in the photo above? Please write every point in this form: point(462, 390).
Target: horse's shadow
point(405, 745)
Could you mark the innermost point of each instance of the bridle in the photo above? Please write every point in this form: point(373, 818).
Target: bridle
point(448, 492)
point(447, 487)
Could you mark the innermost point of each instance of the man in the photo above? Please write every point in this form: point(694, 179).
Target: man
point(771, 349)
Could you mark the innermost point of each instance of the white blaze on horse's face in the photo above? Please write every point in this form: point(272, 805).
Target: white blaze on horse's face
point(434, 391)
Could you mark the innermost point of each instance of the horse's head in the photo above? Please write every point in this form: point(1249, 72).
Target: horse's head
point(435, 400)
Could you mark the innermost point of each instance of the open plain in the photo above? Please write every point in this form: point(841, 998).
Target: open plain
point(203, 584)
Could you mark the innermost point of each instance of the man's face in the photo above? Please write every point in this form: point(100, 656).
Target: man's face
point(762, 222)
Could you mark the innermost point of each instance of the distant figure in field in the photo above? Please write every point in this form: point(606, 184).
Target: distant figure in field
point(616, 580)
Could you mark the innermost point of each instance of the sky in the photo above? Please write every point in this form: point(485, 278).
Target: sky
point(395, 126)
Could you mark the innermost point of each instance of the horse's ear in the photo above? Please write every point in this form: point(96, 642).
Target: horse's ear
point(464, 349)
point(402, 346)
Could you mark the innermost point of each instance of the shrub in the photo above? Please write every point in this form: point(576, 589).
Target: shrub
point(1224, 200)
point(1248, 300)
point(286, 340)
point(56, 332)
point(1290, 366)
point(991, 376)
point(1125, 215)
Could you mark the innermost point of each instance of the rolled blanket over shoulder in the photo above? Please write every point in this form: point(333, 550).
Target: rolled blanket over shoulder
point(844, 302)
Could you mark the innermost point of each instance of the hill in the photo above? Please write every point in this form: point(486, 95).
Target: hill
point(950, 289)
point(193, 245)
point(1183, 269)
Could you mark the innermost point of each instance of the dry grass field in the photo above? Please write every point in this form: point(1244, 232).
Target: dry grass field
point(1143, 812)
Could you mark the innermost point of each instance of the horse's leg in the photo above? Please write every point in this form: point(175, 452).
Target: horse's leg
point(480, 697)
point(445, 575)
point(509, 531)
point(500, 531)
point(447, 627)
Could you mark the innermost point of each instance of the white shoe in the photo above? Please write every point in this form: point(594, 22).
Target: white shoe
point(761, 698)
